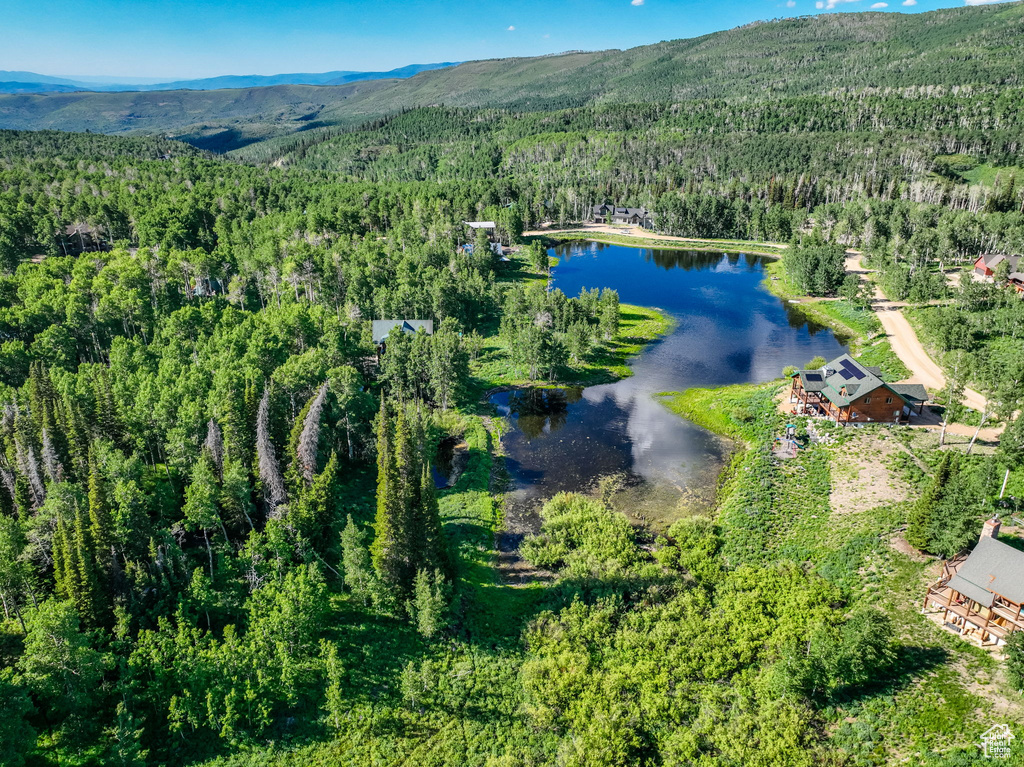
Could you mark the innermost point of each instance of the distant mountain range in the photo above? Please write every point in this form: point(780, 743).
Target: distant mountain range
point(836, 53)
point(30, 82)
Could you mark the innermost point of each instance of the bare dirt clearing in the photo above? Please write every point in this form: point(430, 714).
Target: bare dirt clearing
point(861, 479)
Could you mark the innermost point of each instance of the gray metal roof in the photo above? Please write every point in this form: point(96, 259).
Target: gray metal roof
point(992, 568)
point(844, 379)
point(911, 392)
point(381, 328)
point(601, 210)
point(992, 260)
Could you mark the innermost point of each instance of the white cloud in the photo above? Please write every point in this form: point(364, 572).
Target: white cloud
point(546, 37)
point(791, 3)
point(876, 6)
point(828, 5)
point(511, 29)
point(636, 2)
point(909, 3)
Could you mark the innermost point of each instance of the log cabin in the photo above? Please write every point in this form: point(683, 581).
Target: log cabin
point(981, 594)
point(847, 392)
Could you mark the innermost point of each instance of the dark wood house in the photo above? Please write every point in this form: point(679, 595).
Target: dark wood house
point(981, 594)
point(848, 392)
point(612, 214)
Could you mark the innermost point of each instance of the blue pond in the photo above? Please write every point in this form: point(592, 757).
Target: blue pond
point(728, 330)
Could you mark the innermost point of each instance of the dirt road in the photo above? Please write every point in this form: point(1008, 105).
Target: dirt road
point(904, 340)
point(764, 248)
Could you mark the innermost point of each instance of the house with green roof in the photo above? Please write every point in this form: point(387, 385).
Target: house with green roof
point(848, 392)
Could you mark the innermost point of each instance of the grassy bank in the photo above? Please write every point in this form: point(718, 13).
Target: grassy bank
point(727, 411)
point(857, 326)
point(722, 246)
point(608, 361)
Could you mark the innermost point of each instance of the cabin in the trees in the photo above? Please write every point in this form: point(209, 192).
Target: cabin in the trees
point(82, 238)
point(981, 594)
point(611, 214)
point(986, 265)
point(382, 328)
point(850, 393)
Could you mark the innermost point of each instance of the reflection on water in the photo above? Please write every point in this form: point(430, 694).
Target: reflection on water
point(729, 329)
point(541, 411)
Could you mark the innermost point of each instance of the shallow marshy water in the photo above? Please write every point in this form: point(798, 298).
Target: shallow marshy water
point(728, 330)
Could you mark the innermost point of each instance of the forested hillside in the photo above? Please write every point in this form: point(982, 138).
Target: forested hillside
point(826, 54)
point(219, 536)
point(216, 119)
point(222, 539)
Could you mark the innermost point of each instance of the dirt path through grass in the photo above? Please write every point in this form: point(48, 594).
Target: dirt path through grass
point(904, 340)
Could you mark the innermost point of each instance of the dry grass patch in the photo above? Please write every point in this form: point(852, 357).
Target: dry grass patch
point(860, 478)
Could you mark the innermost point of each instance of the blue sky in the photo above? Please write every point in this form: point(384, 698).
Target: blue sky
point(186, 38)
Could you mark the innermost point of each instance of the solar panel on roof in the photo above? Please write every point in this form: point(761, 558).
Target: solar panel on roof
point(851, 370)
point(812, 376)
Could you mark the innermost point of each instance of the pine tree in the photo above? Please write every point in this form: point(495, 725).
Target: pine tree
point(355, 560)
point(105, 407)
point(919, 521)
point(335, 704)
point(269, 471)
point(390, 551)
point(59, 545)
point(311, 513)
point(214, 445)
point(408, 525)
point(80, 566)
point(435, 547)
point(100, 527)
point(77, 438)
point(307, 451)
point(22, 497)
point(429, 604)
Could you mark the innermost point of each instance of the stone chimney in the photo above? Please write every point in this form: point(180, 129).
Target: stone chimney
point(991, 528)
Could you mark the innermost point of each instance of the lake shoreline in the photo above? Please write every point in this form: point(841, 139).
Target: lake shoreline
point(554, 238)
point(863, 334)
point(727, 329)
point(640, 326)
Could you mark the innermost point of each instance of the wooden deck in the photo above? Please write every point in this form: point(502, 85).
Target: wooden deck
point(986, 625)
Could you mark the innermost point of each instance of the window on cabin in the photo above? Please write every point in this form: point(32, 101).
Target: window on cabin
point(867, 400)
point(888, 400)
